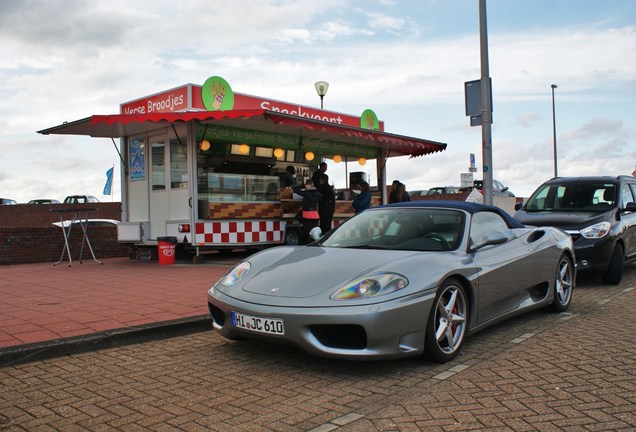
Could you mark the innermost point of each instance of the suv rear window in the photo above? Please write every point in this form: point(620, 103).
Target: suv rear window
point(574, 196)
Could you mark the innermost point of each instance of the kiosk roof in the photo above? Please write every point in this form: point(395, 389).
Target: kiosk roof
point(121, 125)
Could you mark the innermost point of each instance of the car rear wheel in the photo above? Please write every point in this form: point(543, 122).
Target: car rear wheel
point(447, 322)
point(614, 273)
point(563, 284)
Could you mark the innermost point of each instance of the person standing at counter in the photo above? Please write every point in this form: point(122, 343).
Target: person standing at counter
point(363, 200)
point(289, 178)
point(309, 208)
point(322, 169)
point(327, 203)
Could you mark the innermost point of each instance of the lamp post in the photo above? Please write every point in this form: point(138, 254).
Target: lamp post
point(321, 89)
point(553, 86)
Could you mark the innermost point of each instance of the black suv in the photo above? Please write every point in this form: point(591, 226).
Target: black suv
point(598, 212)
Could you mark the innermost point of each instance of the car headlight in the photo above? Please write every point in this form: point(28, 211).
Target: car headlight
point(234, 275)
point(371, 286)
point(598, 230)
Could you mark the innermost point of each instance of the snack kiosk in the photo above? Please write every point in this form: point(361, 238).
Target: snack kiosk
point(205, 164)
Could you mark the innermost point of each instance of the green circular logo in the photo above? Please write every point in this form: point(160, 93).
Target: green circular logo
point(368, 120)
point(217, 94)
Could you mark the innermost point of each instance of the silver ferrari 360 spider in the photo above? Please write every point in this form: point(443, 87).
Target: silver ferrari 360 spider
point(400, 280)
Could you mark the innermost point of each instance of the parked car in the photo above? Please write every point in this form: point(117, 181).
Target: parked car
point(80, 199)
point(419, 192)
point(406, 279)
point(498, 189)
point(7, 201)
point(88, 222)
point(598, 212)
point(442, 190)
point(44, 201)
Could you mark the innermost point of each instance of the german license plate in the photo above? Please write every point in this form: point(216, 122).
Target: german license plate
point(273, 326)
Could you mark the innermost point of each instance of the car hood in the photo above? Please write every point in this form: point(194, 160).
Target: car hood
point(563, 220)
point(307, 276)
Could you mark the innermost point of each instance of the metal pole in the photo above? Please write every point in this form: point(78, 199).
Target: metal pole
point(321, 101)
point(553, 86)
point(486, 106)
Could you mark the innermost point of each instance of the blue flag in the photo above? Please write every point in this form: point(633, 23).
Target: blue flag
point(109, 181)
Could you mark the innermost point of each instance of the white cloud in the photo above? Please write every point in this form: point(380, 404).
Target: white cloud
point(528, 119)
point(385, 22)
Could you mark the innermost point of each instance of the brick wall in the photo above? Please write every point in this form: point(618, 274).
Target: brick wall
point(27, 236)
point(41, 216)
point(28, 245)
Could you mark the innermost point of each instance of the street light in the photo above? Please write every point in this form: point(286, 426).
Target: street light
point(553, 86)
point(321, 89)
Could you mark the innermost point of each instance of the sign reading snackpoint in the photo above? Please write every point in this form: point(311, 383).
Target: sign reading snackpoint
point(217, 95)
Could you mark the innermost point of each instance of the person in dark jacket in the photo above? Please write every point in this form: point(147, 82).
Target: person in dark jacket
point(362, 201)
point(309, 208)
point(289, 178)
point(322, 170)
point(402, 193)
point(326, 204)
point(398, 192)
point(393, 196)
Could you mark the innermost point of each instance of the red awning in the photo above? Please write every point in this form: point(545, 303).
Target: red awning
point(121, 125)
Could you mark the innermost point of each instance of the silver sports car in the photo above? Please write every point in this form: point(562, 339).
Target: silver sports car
point(401, 280)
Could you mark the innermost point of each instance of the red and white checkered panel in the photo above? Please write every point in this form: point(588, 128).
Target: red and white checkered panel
point(240, 232)
point(377, 226)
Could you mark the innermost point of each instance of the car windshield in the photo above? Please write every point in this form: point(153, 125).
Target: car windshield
point(417, 229)
point(573, 197)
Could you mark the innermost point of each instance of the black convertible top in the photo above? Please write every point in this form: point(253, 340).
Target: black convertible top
point(469, 207)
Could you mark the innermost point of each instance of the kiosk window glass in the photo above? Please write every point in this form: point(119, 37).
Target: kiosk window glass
point(264, 152)
point(235, 149)
point(158, 165)
point(178, 164)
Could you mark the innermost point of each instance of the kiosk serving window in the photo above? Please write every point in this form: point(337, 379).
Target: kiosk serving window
point(221, 187)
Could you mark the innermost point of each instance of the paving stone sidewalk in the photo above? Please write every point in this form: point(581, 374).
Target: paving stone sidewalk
point(538, 372)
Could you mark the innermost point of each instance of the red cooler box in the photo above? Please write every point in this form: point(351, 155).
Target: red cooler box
point(167, 249)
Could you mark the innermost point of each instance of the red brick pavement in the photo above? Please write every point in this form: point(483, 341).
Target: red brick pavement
point(41, 302)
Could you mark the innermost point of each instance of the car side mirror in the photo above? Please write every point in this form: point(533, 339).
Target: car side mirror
point(505, 188)
point(315, 233)
point(518, 206)
point(630, 207)
point(492, 238)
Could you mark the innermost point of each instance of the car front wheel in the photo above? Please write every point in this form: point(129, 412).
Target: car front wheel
point(614, 273)
point(563, 284)
point(446, 329)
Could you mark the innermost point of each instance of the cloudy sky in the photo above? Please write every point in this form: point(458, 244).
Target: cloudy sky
point(407, 60)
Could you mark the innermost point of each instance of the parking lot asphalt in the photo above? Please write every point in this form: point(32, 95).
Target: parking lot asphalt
point(48, 310)
point(541, 371)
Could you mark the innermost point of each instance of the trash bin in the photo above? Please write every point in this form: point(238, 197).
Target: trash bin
point(167, 249)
